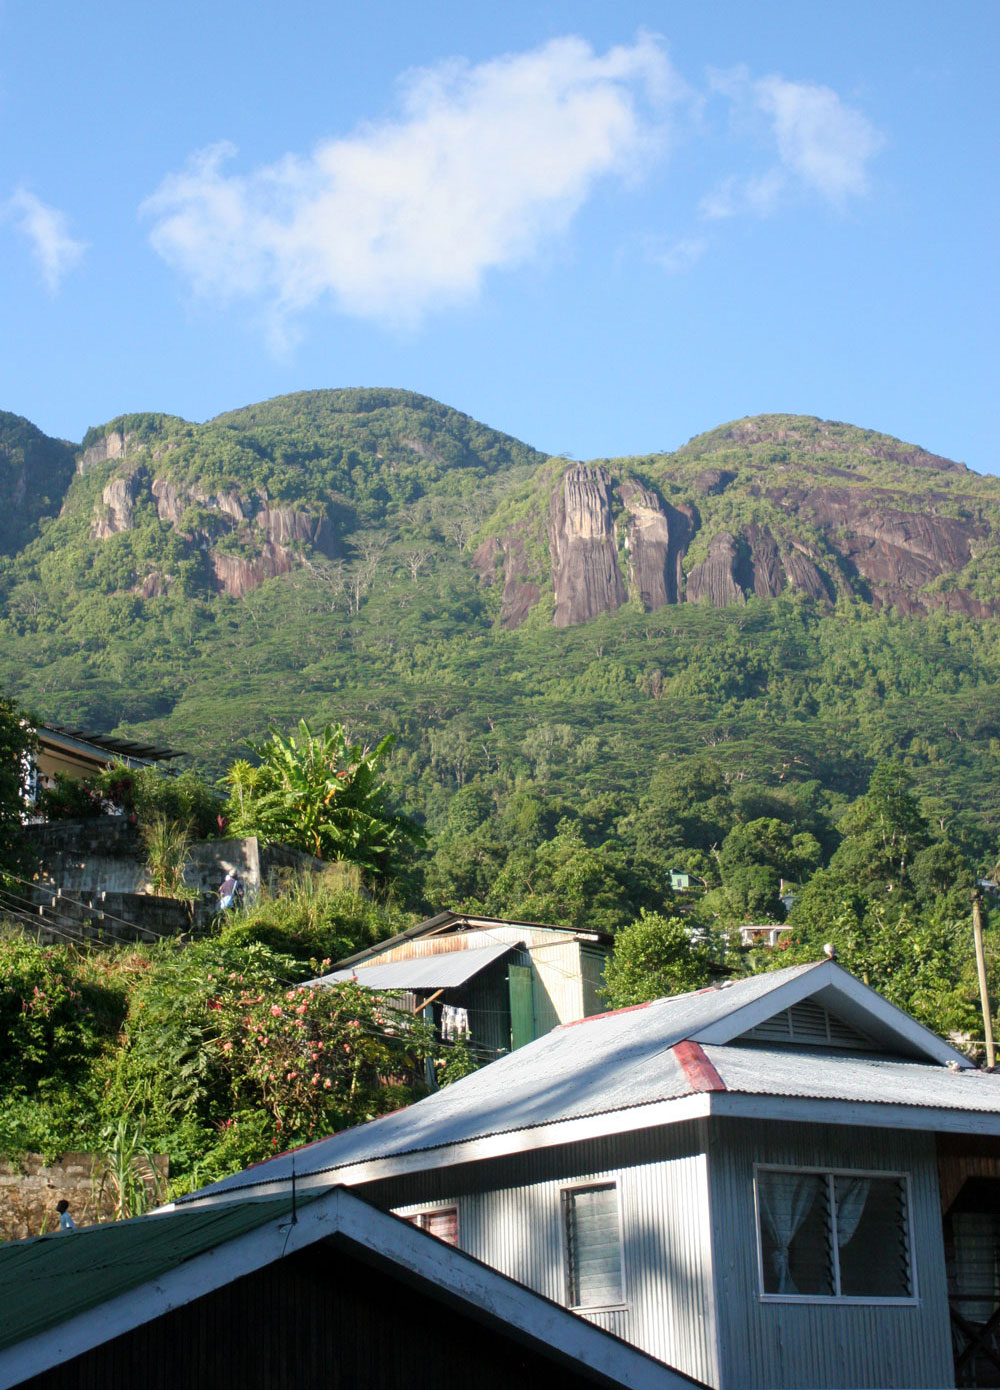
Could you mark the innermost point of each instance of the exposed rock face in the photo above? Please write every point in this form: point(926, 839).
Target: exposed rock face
point(657, 537)
point(713, 480)
point(520, 593)
point(486, 559)
point(118, 500)
point(582, 544)
point(283, 526)
point(804, 574)
point(114, 445)
point(767, 577)
point(714, 580)
point(272, 531)
point(894, 552)
point(237, 575)
point(155, 585)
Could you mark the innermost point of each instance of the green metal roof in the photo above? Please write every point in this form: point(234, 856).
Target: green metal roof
point(50, 1279)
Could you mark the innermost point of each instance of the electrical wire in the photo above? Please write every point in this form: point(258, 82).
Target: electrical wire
point(50, 917)
point(89, 907)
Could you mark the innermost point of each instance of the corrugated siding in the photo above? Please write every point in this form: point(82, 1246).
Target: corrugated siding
point(787, 1344)
point(592, 963)
point(558, 984)
point(518, 1228)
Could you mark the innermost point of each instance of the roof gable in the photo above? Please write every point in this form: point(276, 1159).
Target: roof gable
point(148, 1276)
point(857, 1009)
point(448, 924)
point(809, 1024)
point(645, 1066)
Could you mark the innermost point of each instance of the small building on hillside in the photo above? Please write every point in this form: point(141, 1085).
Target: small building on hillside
point(77, 754)
point(502, 983)
point(780, 1181)
point(314, 1291)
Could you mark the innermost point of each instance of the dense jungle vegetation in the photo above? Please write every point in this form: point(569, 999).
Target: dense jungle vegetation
point(547, 774)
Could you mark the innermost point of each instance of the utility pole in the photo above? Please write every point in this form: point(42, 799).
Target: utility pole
point(977, 931)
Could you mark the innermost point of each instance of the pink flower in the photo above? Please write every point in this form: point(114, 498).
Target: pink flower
point(291, 1076)
point(275, 1011)
point(301, 1008)
point(326, 1084)
point(227, 1047)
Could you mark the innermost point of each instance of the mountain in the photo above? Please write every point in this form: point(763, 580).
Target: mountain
point(35, 472)
point(795, 597)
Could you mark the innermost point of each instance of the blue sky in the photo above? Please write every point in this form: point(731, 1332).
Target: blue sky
point(602, 227)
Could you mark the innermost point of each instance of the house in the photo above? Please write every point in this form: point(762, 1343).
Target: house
point(762, 933)
point(318, 1290)
point(77, 754)
point(779, 1181)
point(503, 983)
point(679, 880)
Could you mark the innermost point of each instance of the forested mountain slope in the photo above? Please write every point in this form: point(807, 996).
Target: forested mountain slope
point(795, 599)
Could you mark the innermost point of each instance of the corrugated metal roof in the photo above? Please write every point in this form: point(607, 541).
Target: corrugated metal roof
point(625, 1059)
point(819, 1075)
point(50, 1279)
point(444, 970)
point(446, 922)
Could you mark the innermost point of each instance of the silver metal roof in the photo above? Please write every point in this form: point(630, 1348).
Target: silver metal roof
point(622, 1060)
point(443, 970)
point(837, 1076)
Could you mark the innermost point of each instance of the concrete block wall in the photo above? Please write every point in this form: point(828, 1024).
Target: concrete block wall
point(92, 883)
point(30, 1189)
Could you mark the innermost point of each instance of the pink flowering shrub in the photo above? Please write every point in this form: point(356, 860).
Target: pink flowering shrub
point(321, 1058)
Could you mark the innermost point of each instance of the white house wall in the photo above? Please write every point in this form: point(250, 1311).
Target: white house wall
point(517, 1227)
point(767, 1344)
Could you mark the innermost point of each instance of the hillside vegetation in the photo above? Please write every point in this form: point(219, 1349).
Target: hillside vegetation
point(374, 558)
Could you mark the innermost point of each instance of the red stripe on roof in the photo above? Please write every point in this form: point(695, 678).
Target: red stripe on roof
point(609, 1013)
point(697, 1068)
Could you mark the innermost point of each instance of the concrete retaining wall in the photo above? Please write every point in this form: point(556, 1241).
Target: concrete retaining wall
point(30, 1189)
point(92, 883)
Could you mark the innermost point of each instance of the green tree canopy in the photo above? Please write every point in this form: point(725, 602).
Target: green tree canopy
point(318, 793)
point(883, 831)
point(15, 744)
point(654, 956)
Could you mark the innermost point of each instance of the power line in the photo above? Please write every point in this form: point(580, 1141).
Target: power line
point(100, 912)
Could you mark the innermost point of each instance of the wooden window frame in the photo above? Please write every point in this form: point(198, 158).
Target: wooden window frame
point(910, 1300)
point(566, 1196)
point(419, 1217)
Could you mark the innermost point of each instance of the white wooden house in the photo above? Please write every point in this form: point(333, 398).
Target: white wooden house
point(783, 1181)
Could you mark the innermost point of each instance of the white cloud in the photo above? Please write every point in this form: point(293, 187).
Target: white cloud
point(681, 255)
point(822, 144)
point(48, 232)
point(821, 141)
point(482, 166)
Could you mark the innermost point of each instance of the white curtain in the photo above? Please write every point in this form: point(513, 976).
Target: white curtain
point(785, 1201)
point(852, 1194)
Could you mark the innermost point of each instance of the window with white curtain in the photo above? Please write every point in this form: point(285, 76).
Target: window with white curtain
point(593, 1247)
point(834, 1234)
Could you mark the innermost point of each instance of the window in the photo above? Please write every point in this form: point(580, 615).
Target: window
point(593, 1247)
point(842, 1235)
point(441, 1222)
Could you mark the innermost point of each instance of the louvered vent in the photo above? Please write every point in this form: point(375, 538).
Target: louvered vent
point(808, 1023)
